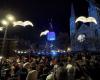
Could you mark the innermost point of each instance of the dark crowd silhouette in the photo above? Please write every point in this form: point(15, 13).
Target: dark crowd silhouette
point(80, 66)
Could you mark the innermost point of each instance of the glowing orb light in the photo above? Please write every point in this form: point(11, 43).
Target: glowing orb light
point(1, 28)
point(4, 22)
point(53, 53)
point(10, 17)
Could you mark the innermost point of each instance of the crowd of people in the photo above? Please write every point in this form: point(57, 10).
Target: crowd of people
point(81, 66)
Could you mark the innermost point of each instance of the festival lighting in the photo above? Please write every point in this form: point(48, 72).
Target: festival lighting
point(26, 23)
point(68, 49)
point(44, 33)
point(4, 22)
point(39, 53)
point(18, 23)
point(25, 52)
point(1, 28)
point(19, 52)
point(53, 53)
point(85, 20)
point(10, 17)
point(51, 36)
point(58, 50)
point(21, 23)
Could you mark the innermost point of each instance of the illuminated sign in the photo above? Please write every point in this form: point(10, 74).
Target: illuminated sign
point(51, 36)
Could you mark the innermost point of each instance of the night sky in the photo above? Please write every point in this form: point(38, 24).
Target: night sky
point(40, 12)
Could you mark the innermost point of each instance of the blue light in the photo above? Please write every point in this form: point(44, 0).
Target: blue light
point(53, 53)
point(39, 53)
point(51, 36)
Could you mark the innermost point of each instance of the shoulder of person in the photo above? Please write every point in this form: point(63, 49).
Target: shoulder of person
point(32, 71)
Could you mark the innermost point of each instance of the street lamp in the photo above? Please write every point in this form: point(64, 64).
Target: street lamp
point(10, 17)
point(5, 23)
point(1, 28)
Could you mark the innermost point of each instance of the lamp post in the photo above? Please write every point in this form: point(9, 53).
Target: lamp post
point(5, 23)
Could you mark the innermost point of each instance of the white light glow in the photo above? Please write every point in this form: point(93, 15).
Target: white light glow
point(25, 52)
point(44, 33)
point(4, 22)
point(19, 52)
point(21, 23)
point(69, 66)
point(68, 49)
point(26, 23)
point(18, 23)
point(85, 20)
point(1, 28)
point(10, 17)
point(81, 38)
point(1, 57)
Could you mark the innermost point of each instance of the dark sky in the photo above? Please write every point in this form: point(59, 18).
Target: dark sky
point(41, 11)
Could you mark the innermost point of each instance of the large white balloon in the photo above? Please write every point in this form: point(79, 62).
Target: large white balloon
point(44, 33)
point(18, 23)
point(81, 19)
point(26, 23)
point(85, 20)
point(92, 19)
point(21, 23)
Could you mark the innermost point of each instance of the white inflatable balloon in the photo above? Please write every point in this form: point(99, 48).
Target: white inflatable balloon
point(26, 23)
point(44, 33)
point(18, 23)
point(85, 20)
point(21, 23)
point(81, 19)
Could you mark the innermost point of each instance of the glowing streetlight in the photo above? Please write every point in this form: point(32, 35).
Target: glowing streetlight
point(4, 22)
point(10, 17)
point(1, 28)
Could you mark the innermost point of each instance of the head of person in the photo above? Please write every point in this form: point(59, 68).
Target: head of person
point(61, 74)
point(26, 65)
